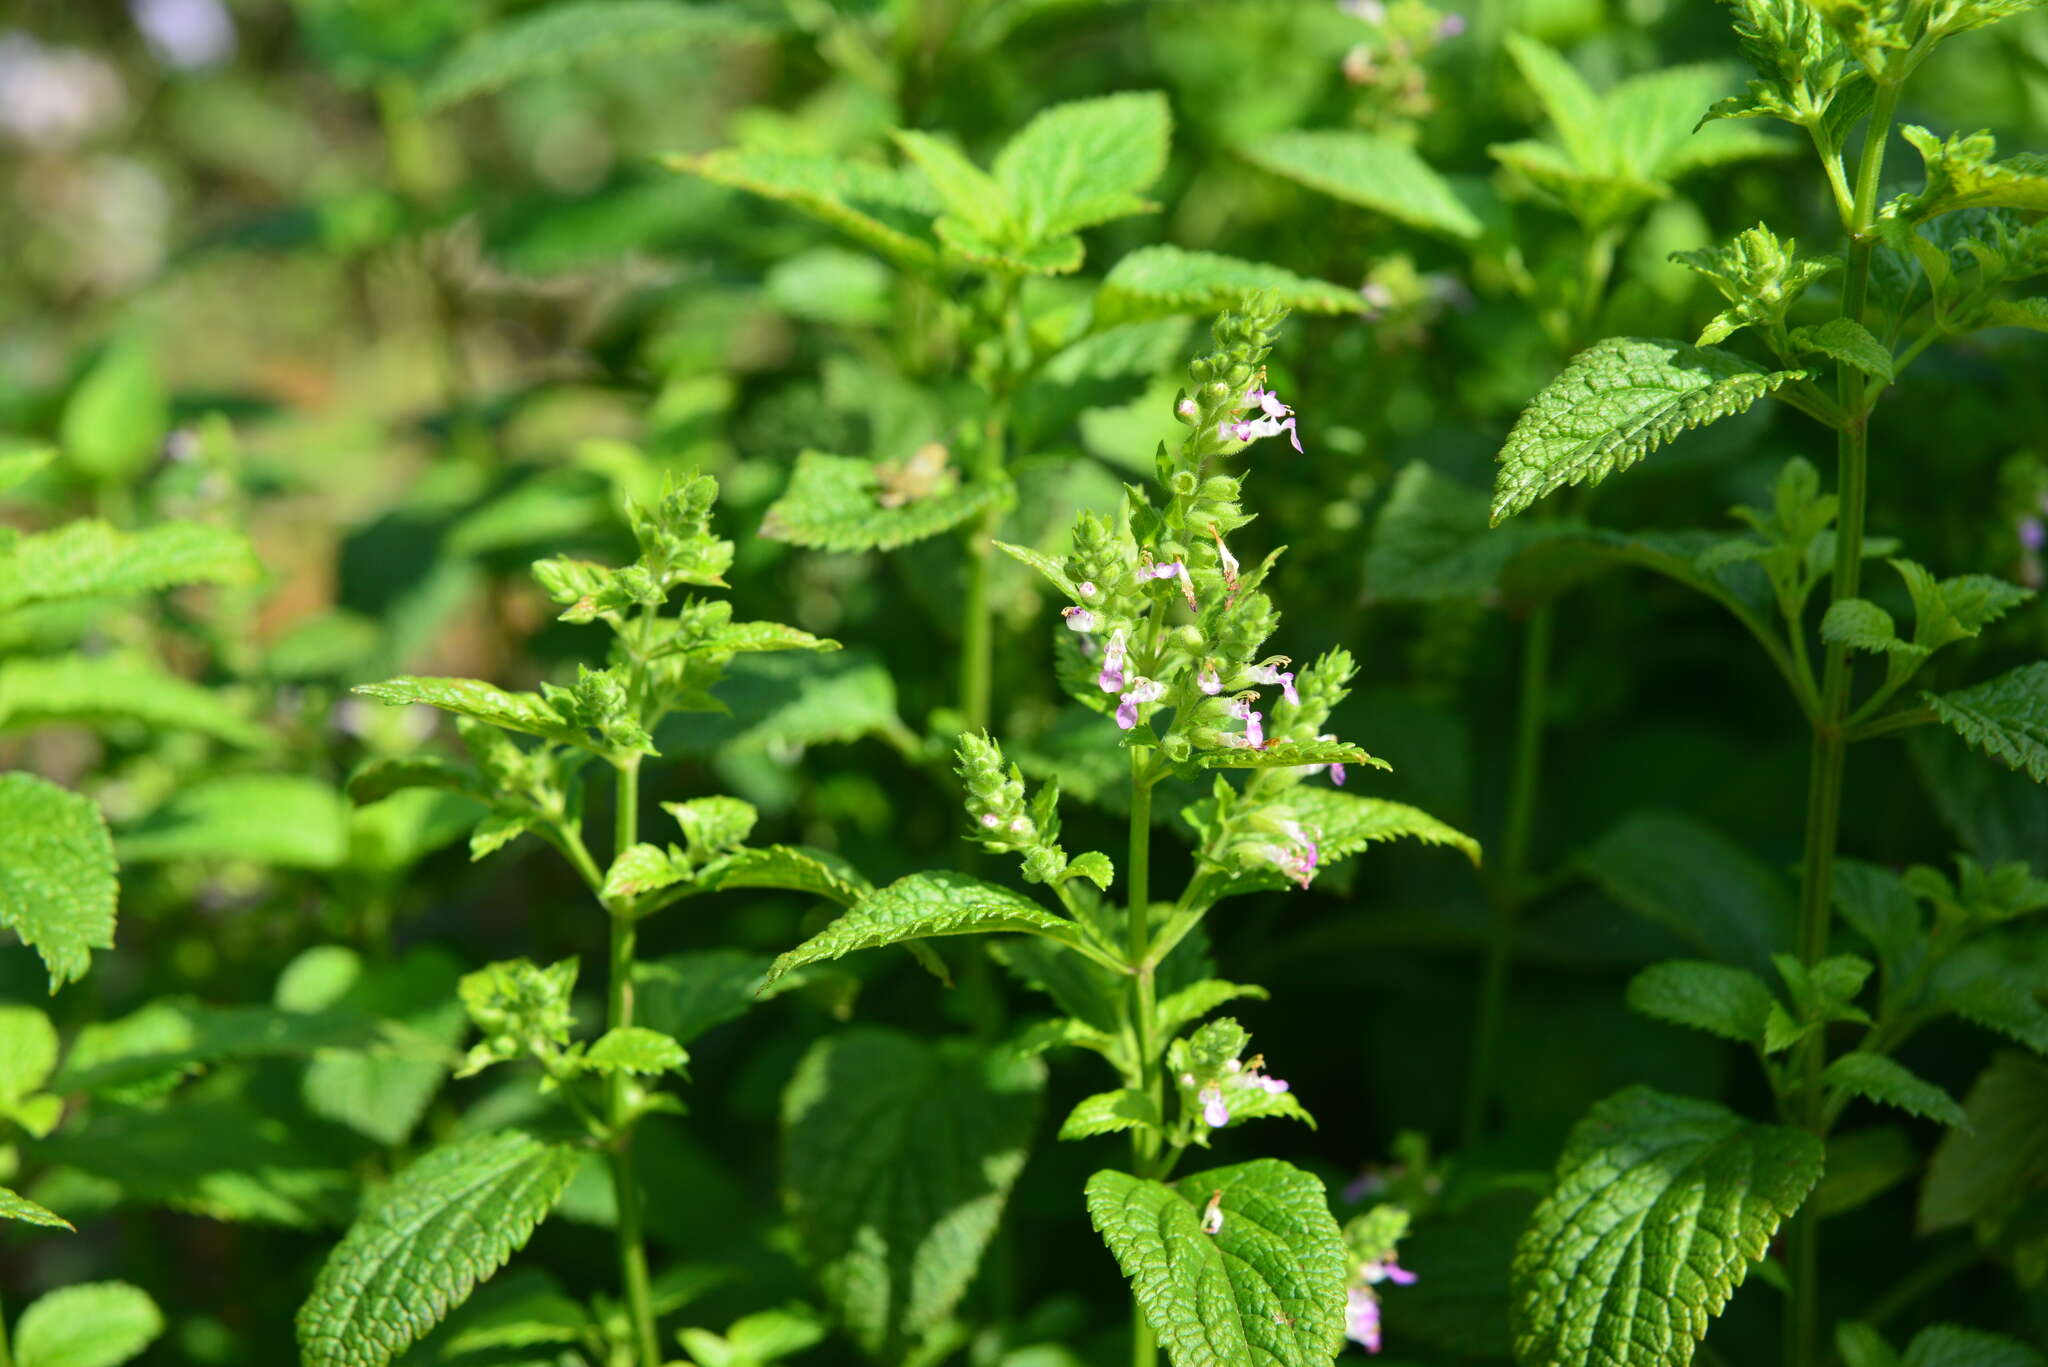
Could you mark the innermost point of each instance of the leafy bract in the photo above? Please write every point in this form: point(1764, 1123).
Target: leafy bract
point(567, 36)
point(1890, 1083)
point(1164, 279)
point(98, 1324)
point(1660, 1205)
point(924, 905)
point(898, 1158)
point(1963, 173)
point(1726, 1001)
point(1760, 274)
point(833, 503)
point(1266, 1287)
point(884, 208)
point(421, 1246)
point(1616, 402)
point(93, 559)
point(1371, 170)
point(57, 884)
point(2005, 717)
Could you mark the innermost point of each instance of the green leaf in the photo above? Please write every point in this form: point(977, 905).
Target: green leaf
point(635, 1049)
point(1348, 823)
point(422, 1244)
point(1660, 1205)
point(884, 208)
point(1616, 402)
point(18, 466)
point(100, 690)
point(57, 884)
point(787, 701)
point(99, 1324)
point(898, 1158)
point(1862, 1166)
point(833, 503)
point(378, 778)
point(1847, 341)
point(1760, 274)
point(1110, 1113)
point(1963, 173)
point(1290, 754)
point(1573, 107)
point(1948, 1345)
point(92, 559)
point(1987, 1169)
point(380, 1090)
point(14, 1206)
point(642, 869)
point(1084, 162)
point(1861, 624)
point(117, 416)
point(971, 196)
point(1197, 1000)
point(1695, 882)
point(2005, 717)
point(28, 1054)
point(1730, 1002)
point(568, 36)
point(1267, 1287)
point(1431, 540)
point(280, 819)
point(1890, 1083)
point(922, 906)
point(1371, 170)
point(790, 867)
point(1159, 280)
point(1859, 1345)
point(685, 995)
point(526, 712)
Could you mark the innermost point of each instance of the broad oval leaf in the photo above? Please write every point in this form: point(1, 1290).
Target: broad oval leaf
point(57, 884)
point(1084, 162)
point(283, 819)
point(898, 1158)
point(1616, 402)
point(97, 1324)
point(921, 906)
point(1267, 1287)
point(444, 1224)
point(1660, 1205)
point(1366, 168)
point(1988, 1168)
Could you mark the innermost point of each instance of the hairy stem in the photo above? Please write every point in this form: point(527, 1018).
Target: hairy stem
point(1830, 740)
point(1144, 1140)
point(619, 1101)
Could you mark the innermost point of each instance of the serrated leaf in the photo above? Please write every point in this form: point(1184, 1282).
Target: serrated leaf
point(1890, 1083)
point(1197, 1000)
point(1431, 540)
point(833, 504)
point(1862, 1166)
point(1267, 1287)
point(885, 208)
point(2005, 717)
point(1963, 172)
point(378, 778)
point(1695, 882)
point(685, 995)
point(422, 1244)
point(1162, 279)
point(381, 1090)
point(98, 1324)
point(789, 867)
point(1660, 1205)
point(1348, 823)
point(1987, 1169)
point(92, 559)
point(635, 1049)
point(642, 869)
point(1290, 754)
point(1084, 162)
point(898, 1158)
point(1371, 170)
point(1949, 1345)
point(1847, 341)
point(1110, 1113)
point(1730, 1002)
point(57, 883)
point(278, 819)
point(14, 1206)
point(100, 690)
point(524, 712)
point(568, 36)
point(1861, 624)
point(922, 906)
point(1616, 402)
point(782, 702)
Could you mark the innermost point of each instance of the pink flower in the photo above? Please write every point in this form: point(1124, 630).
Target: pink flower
point(1450, 26)
point(1086, 588)
point(1254, 724)
point(1273, 674)
point(1336, 770)
point(1079, 619)
point(1213, 1109)
point(1140, 691)
point(1207, 680)
point(1362, 1318)
point(1111, 678)
point(990, 820)
point(2033, 535)
point(1388, 1271)
point(1172, 569)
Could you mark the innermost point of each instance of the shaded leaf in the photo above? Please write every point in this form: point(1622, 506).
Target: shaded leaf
point(57, 884)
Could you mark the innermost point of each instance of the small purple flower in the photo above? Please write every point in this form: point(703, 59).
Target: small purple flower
point(1450, 26)
point(1256, 428)
point(1207, 679)
point(2033, 534)
point(1188, 409)
point(1273, 674)
point(1336, 770)
point(1272, 1086)
point(1111, 677)
point(990, 820)
point(1378, 298)
point(187, 34)
point(1388, 1271)
point(1254, 723)
point(1372, 11)
point(1078, 619)
point(1086, 588)
point(1141, 691)
point(1362, 1318)
point(1213, 1108)
point(1172, 569)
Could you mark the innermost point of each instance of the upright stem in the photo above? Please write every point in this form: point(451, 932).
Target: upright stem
point(1530, 708)
point(1137, 874)
point(977, 639)
point(618, 1099)
point(1824, 789)
point(6, 1353)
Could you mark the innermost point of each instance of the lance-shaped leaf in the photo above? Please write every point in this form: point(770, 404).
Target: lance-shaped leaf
point(1367, 169)
point(1290, 754)
point(526, 712)
point(790, 867)
point(834, 503)
point(568, 36)
point(898, 1158)
point(1660, 1205)
point(1347, 823)
point(1719, 998)
point(96, 1324)
point(1890, 1083)
point(1267, 1287)
point(89, 690)
point(90, 559)
point(57, 886)
point(2005, 717)
point(922, 906)
point(1616, 402)
point(1155, 281)
point(421, 1246)
point(15, 1206)
point(885, 208)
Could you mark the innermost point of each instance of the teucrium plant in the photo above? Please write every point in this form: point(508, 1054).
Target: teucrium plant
point(1168, 641)
point(456, 1214)
point(1600, 1275)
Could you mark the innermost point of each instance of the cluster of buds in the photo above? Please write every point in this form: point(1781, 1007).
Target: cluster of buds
point(1216, 1082)
point(1285, 844)
point(1370, 1240)
point(995, 797)
point(1390, 69)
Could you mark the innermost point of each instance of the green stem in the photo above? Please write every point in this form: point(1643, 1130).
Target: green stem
point(1530, 707)
point(1144, 1140)
point(619, 1098)
point(977, 638)
point(6, 1353)
point(1824, 789)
